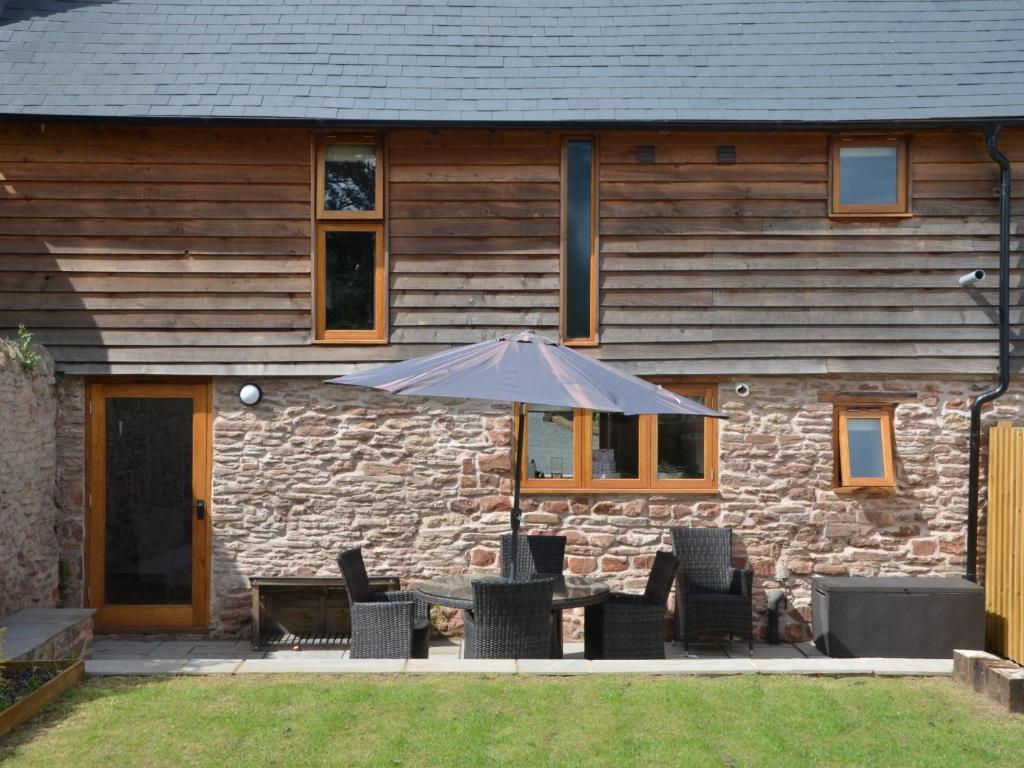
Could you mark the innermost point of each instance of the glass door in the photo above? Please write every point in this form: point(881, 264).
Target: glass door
point(149, 479)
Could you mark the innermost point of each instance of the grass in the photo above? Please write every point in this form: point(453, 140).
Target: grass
point(492, 721)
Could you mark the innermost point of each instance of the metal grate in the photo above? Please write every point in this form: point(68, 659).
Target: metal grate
point(726, 153)
point(645, 153)
point(305, 641)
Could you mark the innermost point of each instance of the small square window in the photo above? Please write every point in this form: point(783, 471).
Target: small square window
point(864, 445)
point(869, 177)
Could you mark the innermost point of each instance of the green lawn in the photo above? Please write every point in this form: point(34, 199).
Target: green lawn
point(484, 721)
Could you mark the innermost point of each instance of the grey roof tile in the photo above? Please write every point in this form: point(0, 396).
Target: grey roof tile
point(514, 60)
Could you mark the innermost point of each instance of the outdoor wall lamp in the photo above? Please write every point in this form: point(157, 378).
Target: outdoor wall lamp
point(250, 394)
point(742, 389)
point(972, 277)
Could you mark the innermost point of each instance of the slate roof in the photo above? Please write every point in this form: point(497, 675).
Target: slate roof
point(515, 60)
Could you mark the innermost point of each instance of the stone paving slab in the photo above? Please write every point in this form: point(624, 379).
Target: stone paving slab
point(168, 657)
point(134, 666)
point(916, 667)
point(324, 667)
point(822, 666)
point(475, 666)
point(553, 667)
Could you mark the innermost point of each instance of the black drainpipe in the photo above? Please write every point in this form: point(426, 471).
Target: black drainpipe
point(992, 144)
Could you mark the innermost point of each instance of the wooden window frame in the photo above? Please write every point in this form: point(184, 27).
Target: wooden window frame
point(593, 339)
point(901, 208)
point(378, 187)
point(710, 480)
point(377, 334)
point(843, 481)
point(647, 482)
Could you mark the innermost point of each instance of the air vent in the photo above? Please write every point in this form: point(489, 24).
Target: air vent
point(645, 153)
point(726, 153)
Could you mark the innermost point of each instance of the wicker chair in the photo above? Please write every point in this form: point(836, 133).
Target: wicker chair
point(509, 620)
point(712, 597)
point(537, 556)
point(534, 555)
point(632, 626)
point(385, 625)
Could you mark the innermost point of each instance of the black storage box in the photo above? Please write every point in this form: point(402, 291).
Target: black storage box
point(897, 617)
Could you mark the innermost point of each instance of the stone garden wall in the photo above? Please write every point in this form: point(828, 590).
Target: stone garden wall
point(424, 487)
point(29, 551)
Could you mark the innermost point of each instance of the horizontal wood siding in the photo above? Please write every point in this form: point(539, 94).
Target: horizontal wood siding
point(736, 268)
point(187, 250)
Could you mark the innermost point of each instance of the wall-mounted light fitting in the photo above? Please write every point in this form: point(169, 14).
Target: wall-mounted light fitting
point(742, 389)
point(250, 394)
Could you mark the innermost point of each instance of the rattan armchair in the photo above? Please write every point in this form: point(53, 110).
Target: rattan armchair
point(537, 556)
point(629, 626)
point(385, 625)
point(712, 597)
point(509, 620)
point(544, 555)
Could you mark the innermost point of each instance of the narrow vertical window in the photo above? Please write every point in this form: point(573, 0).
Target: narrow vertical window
point(579, 262)
point(350, 279)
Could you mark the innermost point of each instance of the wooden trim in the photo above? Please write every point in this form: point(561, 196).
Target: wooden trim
point(647, 483)
point(841, 439)
point(143, 617)
point(376, 335)
point(593, 339)
point(901, 208)
point(378, 187)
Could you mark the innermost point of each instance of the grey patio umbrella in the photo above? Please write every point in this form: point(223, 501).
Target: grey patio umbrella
point(526, 368)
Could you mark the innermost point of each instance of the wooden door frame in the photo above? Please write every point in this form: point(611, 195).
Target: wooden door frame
point(194, 618)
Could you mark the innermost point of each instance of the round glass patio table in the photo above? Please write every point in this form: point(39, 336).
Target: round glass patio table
point(457, 591)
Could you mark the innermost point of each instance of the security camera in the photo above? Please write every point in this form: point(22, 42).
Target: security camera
point(742, 389)
point(972, 277)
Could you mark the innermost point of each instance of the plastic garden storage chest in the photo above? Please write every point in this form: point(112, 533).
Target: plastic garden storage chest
point(898, 617)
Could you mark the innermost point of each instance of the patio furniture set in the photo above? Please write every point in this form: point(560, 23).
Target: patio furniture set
point(518, 614)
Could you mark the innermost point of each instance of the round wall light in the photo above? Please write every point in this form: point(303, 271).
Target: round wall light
point(250, 394)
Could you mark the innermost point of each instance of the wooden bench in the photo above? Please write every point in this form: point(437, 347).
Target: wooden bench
point(304, 612)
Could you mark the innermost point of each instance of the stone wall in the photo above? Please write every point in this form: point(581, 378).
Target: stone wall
point(424, 487)
point(29, 574)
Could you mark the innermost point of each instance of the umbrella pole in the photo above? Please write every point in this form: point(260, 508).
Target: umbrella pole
point(520, 409)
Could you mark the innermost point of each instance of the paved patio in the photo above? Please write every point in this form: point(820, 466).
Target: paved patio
point(206, 657)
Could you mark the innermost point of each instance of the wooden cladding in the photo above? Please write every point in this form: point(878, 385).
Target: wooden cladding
point(179, 250)
point(1004, 551)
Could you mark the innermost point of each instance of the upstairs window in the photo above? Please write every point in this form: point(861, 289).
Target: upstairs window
point(351, 302)
point(579, 242)
point(864, 447)
point(869, 177)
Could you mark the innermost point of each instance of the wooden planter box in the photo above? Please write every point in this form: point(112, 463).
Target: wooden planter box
point(23, 709)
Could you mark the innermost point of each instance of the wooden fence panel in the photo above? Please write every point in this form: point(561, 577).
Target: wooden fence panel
point(1004, 564)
